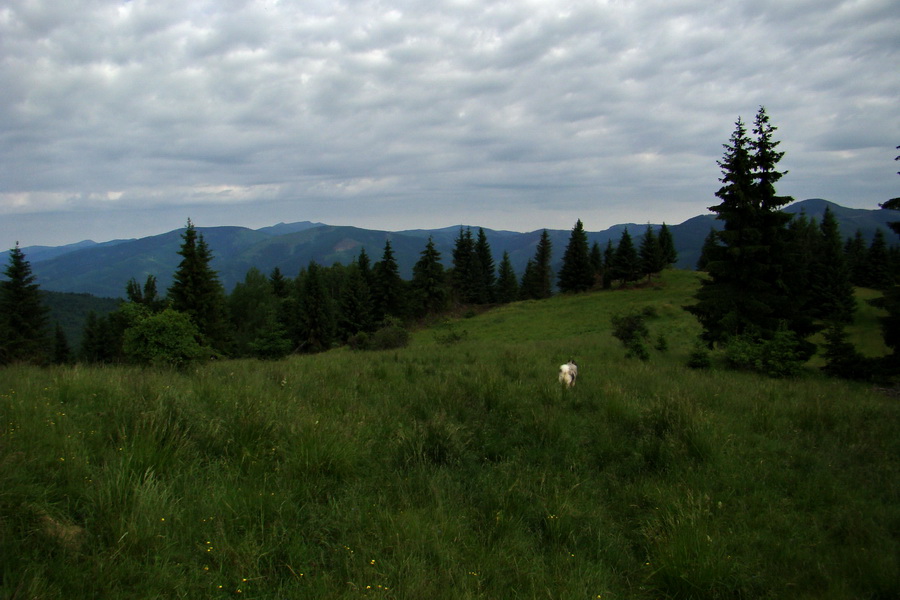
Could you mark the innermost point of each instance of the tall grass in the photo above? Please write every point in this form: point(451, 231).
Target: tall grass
point(454, 468)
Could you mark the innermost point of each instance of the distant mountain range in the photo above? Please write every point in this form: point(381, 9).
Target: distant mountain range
point(103, 269)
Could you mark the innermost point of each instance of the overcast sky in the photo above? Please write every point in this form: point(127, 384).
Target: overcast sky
point(123, 119)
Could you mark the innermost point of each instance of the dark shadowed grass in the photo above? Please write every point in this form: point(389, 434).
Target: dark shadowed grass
point(452, 470)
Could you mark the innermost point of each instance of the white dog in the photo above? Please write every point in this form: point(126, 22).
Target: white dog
point(567, 374)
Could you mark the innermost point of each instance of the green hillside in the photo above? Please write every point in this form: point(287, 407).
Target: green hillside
point(454, 468)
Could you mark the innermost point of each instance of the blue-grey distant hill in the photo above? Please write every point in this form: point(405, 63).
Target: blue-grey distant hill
point(104, 269)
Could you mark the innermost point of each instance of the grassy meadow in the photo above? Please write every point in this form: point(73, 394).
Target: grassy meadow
point(454, 468)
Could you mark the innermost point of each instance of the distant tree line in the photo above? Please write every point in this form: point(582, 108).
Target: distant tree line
point(363, 304)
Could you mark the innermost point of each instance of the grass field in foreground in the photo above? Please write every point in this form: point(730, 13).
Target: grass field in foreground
point(454, 468)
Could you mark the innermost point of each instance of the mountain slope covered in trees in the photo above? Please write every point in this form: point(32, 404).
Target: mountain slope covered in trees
point(102, 269)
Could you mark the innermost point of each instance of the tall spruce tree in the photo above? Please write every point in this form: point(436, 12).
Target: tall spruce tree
point(317, 314)
point(651, 254)
point(355, 305)
point(507, 285)
point(543, 254)
point(626, 264)
point(466, 276)
point(429, 284)
point(747, 292)
point(387, 286)
point(23, 316)
point(485, 269)
point(832, 291)
point(576, 273)
point(197, 292)
point(667, 246)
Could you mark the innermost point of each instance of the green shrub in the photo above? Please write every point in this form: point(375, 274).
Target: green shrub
point(781, 356)
point(389, 337)
point(631, 329)
point(168, 338)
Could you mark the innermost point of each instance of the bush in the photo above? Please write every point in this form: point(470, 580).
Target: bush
point(168, 338)
point(842, 358)
point(391, 336)
point(781, 356)
point(699, 357)
point(631, 330)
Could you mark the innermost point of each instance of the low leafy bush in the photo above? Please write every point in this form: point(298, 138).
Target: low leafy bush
point(781, 356)
point(631, 329)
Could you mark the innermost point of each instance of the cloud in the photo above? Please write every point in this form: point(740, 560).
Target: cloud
point(521, 113)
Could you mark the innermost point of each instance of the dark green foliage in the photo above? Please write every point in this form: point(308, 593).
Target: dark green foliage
point(699, 356)
point(429, 285)
point(667, 246)
point(316, 312)
point(168, 338)
point(832, 292)
point(507, 284)
point(609, 257)
point(877, 271)
point(147, 295)
point(576, 273)
point(749, 290)
point(709, 250)
point(855, 251)
point(597, 263)
point(387, 286)
point(650, 252)
point(782, 355)
point(390, 336)
point(626, 264)
point(465, 274)
point(631, 329)
point(254, 310)
point(485, 269)
point(472, 278)
point(23, 316)
point(62, 352)
point(537, 278)
point(355, 304)
point(196, 290)
point(842, 358)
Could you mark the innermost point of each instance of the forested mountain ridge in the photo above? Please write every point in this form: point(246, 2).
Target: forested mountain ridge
point(103, 269)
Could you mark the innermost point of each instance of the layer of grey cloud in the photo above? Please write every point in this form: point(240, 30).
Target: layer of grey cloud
point(120, 119)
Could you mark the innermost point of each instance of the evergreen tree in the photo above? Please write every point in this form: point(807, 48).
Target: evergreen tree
point(279, 283)
point(62, 352)
point(626, 262)
point(709, 249)
point(466, 276)
point(196, 290)
point(254, 310)
point(530, 288)
point(317, 315)
point(484, 269)
point(507, 285)
point(877, 269)
point(146, 295)
point(856, 252)
point(543, 276)
point(746, 292)
point(428, 282)
point(650, 254)
point(609, 259)
point(833, 293)
point(23, 316)
point(596, 263)
point(576, 273)
point(667, 246)
point(387, 288)
point(355, 305)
